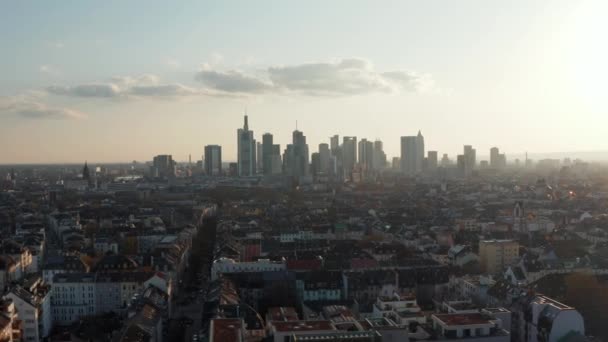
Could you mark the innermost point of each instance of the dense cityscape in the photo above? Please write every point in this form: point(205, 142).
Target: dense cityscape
point(336, 245)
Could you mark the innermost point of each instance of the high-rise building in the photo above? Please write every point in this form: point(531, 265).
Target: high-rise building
point(419, 152)
point(276, 161)
point(86, 175)
point(494, 156)
point(296, 159)
point(349, 155)
point(213, 160)
point(163, 166)
point(366, 154)
point(431, 161)
point(315, 164)
point(396, 164)
point(324, 158)
point(379, 156)
point(267, 148)
point(259, 157)
point(460, 165)
point(470, 160)
point(246, 150)
point(334, 144)
point(445, 160)
point(409, 155)
point(336, 169)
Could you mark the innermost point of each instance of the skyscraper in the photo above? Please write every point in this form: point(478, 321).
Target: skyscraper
point(431, 161)
point(86, 175)
point(494, 156)
point(324, 158)
point(246, 162)
point(276, 161)
point(419, 152)
point(366, 154)
point(334, 144)
point(497, 160)
point(409, 155)
point(379, 156)
point(267, 144)
point(315, 164)
point(259, 157)
point(213, 160)
point(349, 155)
point(445, 160)
point(163, 166)
point(296, 158)
point(470, 160)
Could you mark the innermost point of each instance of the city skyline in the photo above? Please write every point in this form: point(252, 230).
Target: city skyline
point(79, 89)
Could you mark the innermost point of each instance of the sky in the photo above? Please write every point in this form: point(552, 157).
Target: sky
point(116, 81)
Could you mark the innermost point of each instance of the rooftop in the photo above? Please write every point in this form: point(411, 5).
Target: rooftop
point(225, 330)
point(303, 326)
point(463, 319)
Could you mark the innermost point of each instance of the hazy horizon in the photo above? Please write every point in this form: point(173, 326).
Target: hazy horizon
point(119, 81)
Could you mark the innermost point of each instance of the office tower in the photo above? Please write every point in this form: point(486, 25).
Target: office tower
point(396, 164)
point(460, 164)
point(470, 160)
point(409, 155)
point(349, 155)
point(233, 169)
point(267, 148)
point(86, 175)
point(419, 152)
point(259, 157)
point(334, 144)
point(296, 157)
point(324, 158)
point(445, 160)
point(366, 154)
point(163, 166)
point(502, 161)
point(276, 161)
point(213, 160)
point(431, 161)
point(315, 164)
point(494, 156)
point(379, 162)
point(246, 162)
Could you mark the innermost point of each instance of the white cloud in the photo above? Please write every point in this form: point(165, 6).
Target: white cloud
point(47, 69)
point(30, 108)
point(216, 58)
point(345, 77)
point(106, 90)
point(126, 86)
point(350, 76)
point(232, 81)
point(173, 63)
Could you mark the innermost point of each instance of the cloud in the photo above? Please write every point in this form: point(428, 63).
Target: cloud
point(345, 77)
point(350, 76)
point(86, 90)
point(232, 81)
point(30, 108)
point(126, 86)
point(47, 69)
point(173, 63)
point(170, 90)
